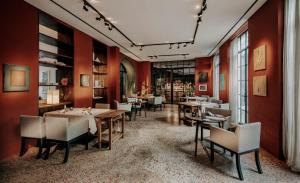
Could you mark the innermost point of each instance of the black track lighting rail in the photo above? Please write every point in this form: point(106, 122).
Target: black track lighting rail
point(168, 55)
point(111, 26)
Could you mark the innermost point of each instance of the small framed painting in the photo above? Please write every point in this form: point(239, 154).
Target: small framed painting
point(16, 78)
point(260, 86)
point(203, 77)
point(84, 80)
point(260, 58)
point(203, 87)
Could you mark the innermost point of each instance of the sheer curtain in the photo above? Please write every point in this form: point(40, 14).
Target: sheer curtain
point(216, 77)
point(233, 84)
point(291, 85)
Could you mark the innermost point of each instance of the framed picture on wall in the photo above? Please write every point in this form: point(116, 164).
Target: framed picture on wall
point(16, 78)
point(203, 87)
point(222, 82)
point(203, 77)
point(259, 54)
point(84, 80)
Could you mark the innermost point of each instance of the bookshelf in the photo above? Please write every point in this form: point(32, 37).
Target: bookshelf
point(56, 62)
point(99, 73)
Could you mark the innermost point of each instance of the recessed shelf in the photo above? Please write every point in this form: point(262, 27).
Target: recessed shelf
point(56, 54)
point(54, 65)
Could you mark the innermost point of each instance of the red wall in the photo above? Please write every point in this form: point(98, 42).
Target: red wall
point(113, 69)
point(83, 56)
point(19, 45)
point(143, 75)
point(265, 27)
point(204, 65)
point(224, 53)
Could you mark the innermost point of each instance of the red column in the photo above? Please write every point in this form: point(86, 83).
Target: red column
point(113, 69)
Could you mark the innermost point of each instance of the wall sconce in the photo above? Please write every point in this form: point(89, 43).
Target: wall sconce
point(53, 97)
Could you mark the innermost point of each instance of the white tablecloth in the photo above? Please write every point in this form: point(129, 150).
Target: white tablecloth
point(80, 112)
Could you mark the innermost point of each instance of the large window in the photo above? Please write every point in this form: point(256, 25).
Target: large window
point(216, 76)
point(243, 78)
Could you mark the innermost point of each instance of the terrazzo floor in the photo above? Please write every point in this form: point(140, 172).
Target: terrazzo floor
point(155, 149)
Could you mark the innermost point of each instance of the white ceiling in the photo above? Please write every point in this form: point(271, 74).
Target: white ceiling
point(154, 21)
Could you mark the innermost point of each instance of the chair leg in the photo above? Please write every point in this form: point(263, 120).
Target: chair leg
point(212, 152)
point(40, 146)
point(23, 146)
point(201, 133)
point(86, 141)
point(258, 162)
point(66, 152)
point(238, 166)
point(47, 149)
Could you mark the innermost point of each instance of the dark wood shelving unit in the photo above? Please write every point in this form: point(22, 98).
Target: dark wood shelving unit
point(56, 62)
point(99, 73)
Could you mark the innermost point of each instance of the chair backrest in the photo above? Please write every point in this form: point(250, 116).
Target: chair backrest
point(225, 106)
point(102, 106)
point(132, 99)
point(219, 111)
point(158, 100)
point(206, 105)
point(123, 106)
point(216, 101)
point(248, 136)
point(32, 126)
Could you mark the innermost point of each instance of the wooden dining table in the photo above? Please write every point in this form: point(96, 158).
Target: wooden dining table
point(110, 117)
point(182, 106)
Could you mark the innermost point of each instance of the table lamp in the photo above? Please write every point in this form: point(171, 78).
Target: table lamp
point(53, 97)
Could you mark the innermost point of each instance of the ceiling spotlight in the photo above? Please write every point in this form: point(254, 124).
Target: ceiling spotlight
point(200, 13)
point(151, 57)
point(110, 28)
point(204, 7)
point(98, 18)
point(141, 48)
point(178, 46)
point(85, 7)
point(132, 45)
point(155, 57)
point(170, 46)
point(106, 23)
point(192, 42)
point(185, 45)
point(199, 19)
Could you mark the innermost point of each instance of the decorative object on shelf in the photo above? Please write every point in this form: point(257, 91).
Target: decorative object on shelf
point(84, 80)
point(53, 97)
point(64, 81)
point(203, 87)
point(259, 55)
point(260, 85)
point(222, 82)
point(16, 78)
point(65, 93)
point(203, 76)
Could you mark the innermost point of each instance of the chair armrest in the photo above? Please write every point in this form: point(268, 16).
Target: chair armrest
point(224, 138)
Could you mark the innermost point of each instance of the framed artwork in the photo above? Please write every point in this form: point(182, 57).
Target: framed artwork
point(84, 80)
point(203, 77)
point(16, 78)
point(203, 87)
point(259, 55)
point(222, 82)
point(260, 85)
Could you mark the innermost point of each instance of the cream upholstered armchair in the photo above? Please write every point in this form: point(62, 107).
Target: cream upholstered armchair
point(124, 106)
point(32, 127)
point(65, 131)
point(245, 139)
point(156, 102)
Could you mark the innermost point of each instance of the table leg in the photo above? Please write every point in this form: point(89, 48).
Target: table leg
point(99, 129)
point(110, 133)
point(196, 138)
point(123, 124)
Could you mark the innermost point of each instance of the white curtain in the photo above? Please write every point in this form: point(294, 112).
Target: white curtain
point(291, 85)
point(216, 77)
point(233, 83)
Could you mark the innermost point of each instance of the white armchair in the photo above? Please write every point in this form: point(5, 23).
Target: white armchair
point(156, 102)
point(245, 139)
point(124, 106)
point(66, 131)
point(32, 127)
